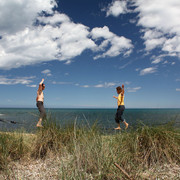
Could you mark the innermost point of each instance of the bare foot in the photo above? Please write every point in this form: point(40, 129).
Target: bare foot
point(118, 128)
point(39, 125)
point(126, 125)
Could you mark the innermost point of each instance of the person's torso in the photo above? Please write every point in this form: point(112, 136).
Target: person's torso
point(40, 96)
point(120, 99)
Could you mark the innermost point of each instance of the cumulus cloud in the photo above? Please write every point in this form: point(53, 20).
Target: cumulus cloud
point(116, 8)
point(155, 14)
point(44, 43)
point(55, 19)
point(35, 33)
point(159, 22)
point(19, 80)
point(177, 89)
point(16, 15)
point(149, 70)
point(118, 44)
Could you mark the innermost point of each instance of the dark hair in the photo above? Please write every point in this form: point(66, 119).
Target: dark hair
point(119, 89)
point(43, 84)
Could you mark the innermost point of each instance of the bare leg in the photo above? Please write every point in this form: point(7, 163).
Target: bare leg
point(126, 124)
point(118, 128)
point(39, 123)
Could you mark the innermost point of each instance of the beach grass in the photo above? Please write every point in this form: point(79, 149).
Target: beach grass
point(84, 152)
point(13, 147)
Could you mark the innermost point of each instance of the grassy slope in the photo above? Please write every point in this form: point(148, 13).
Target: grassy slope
point(85, 153)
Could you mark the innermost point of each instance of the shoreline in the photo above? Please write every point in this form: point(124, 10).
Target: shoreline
point(98, 108)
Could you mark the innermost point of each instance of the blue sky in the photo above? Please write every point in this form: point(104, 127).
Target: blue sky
point(86, 48)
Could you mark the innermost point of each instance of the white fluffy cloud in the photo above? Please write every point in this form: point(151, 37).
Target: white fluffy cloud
point(16, 15)
point(159, 20)
point(116, 8)
point(29, 36)
point(118, 44)
point(44, 43)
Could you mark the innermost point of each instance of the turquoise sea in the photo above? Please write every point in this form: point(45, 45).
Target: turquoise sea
point(26, 118)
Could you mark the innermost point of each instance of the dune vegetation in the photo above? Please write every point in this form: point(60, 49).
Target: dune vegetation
point(79, 152)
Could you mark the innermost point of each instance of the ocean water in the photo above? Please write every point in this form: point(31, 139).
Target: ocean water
point(26, 118)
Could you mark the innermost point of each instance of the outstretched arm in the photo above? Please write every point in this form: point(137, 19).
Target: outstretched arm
point(115, 97)
point(40, 85)
point(41, 81)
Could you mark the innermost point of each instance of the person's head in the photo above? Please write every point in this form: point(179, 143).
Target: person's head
point(43, 86)
point(119, 89)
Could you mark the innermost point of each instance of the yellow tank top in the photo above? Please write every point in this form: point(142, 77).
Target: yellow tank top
point(120, 99)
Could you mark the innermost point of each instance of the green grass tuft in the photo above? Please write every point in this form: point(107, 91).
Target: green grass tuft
point(90, 154)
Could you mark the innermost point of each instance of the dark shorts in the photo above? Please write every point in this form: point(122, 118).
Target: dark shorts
point(119, 114)
point(41, 109)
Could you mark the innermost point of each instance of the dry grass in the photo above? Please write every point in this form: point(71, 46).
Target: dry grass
point(85, 153)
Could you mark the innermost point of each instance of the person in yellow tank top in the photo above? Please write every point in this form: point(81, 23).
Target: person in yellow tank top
point(121, 107)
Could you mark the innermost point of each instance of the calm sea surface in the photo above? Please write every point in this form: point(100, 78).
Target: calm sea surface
point(27, 118)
